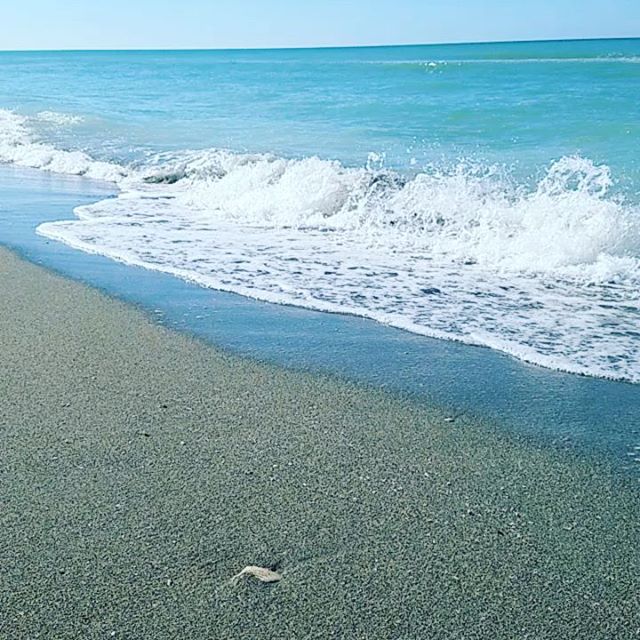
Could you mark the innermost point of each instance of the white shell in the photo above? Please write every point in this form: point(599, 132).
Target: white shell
point(260, 573)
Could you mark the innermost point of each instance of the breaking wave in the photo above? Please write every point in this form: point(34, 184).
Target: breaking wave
point(548, 272)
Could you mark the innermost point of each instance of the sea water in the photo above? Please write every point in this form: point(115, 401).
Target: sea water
point(487, 194)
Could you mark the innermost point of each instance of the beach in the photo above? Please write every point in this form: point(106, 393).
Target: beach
point(142, 470)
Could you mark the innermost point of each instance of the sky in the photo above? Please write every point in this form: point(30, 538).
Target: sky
point(215, 24)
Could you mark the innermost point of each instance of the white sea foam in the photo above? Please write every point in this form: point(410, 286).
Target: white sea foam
point(548, 273)
point(19, 145)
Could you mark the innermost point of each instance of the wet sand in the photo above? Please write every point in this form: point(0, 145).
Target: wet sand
point(141, 470)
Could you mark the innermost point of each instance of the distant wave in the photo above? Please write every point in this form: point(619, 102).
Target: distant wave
point(548, 273)
point(60, 119)
point(440, 63)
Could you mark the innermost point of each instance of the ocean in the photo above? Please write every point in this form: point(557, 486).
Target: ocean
point(487, 194)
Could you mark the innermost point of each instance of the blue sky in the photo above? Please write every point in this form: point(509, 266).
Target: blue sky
point(78, 24)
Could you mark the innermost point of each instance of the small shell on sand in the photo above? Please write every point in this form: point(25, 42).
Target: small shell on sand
point(260, 573)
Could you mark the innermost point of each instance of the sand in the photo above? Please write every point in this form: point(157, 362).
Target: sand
point(141, 470)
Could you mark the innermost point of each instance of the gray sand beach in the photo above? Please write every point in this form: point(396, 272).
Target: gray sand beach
point(141, 470)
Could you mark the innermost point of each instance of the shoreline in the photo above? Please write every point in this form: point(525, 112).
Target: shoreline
point(143, 469)
point(528, 400)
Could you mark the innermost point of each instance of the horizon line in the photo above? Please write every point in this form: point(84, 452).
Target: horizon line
point(323, 47)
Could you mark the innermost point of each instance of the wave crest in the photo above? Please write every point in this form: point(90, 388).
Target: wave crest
point(467, 214)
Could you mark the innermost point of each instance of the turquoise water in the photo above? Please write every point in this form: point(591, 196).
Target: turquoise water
point(524, 103)
point(487, 194)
